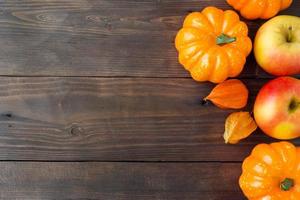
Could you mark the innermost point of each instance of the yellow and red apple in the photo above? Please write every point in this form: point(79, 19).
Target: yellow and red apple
point(277, 46)
point(277, 108)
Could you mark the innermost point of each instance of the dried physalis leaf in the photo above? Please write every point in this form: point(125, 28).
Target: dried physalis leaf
point(231, 94)
point(239, 125)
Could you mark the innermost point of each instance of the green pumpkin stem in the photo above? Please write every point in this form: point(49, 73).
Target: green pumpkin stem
point(224, 39)
point(287, 184)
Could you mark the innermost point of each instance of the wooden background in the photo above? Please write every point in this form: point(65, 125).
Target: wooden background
point(94, 105)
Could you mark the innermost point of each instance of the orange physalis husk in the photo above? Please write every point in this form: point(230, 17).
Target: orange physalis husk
point(231, 94)
point(239, 125)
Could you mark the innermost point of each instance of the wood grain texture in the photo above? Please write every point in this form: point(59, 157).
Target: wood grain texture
point(98, 37)
point(141, 108)
point(119, 181)
point(115, 119)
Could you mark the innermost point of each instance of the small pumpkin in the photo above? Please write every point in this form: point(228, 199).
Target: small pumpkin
point(263, 9)
point(272, 172)
point(213, 44)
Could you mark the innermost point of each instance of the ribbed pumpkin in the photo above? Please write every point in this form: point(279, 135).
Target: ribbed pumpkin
point(272, 172)
point(213, 44)
point(263, 9)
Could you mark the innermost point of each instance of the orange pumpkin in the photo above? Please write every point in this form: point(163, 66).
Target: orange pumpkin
point(272, 172)
point(213, 44)
point(264, 9)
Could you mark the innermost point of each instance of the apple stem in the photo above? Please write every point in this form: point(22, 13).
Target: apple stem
point(224, 39)
point(290, 36)
point(294, 105)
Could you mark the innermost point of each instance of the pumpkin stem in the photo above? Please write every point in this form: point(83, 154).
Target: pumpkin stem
point(287, 184)
point(224, 39)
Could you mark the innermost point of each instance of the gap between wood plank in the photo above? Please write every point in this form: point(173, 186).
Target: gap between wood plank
point(145, 77)
point(119, 161)
point(133, 77)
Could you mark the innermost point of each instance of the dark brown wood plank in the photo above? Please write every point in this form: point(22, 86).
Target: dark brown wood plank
point(98, 37)
point(114, 119)
point(111, 181)
point(264, 75)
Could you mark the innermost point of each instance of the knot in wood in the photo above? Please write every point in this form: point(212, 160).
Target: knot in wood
point(75, 130)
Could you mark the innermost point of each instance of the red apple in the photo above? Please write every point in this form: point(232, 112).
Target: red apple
point(277, 108)
point(277, 46)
